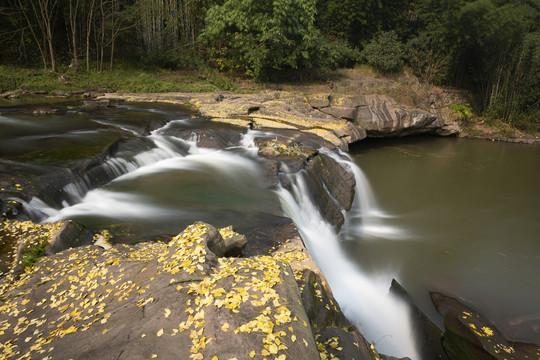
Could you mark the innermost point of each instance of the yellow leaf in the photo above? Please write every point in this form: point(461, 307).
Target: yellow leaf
point(281, 357)
point(273, 349)
point(293, 338)
point(252, 354)
point(265, 352)
point(167, 313)
point(154, 356)
point(225, 327)
point(159, 333)
point(104, 331)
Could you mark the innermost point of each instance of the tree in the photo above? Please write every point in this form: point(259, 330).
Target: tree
point(385, 52)
point(265, 38)
point(40, 16)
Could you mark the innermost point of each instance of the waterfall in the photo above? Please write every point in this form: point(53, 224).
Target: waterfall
point(365, 217)
point(383, 319)
point(168, 155)
point(364, 300)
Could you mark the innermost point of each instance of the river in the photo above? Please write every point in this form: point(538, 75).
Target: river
point(451, 215)
point(458, 216)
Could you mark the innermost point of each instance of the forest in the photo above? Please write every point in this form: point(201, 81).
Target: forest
point(490, 48)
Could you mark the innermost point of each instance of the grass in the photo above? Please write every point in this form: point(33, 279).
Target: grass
point(123, 80)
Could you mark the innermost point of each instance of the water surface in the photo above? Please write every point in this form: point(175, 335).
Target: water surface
point(463, 218)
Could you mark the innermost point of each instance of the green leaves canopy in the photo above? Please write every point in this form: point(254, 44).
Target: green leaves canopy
point(261, 37)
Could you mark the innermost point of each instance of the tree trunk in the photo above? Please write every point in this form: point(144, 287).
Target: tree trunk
point(88, 31)
point(73, 11)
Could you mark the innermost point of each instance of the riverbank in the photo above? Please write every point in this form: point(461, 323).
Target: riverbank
point(403, 91)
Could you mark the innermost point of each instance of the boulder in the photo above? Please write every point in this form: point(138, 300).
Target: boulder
point(320, 306)
point(156, 300)
point(329, 207)
point(468, 335)
point(70, 234)
point(339, 181)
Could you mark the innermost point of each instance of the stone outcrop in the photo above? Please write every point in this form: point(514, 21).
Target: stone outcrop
point(339, 119)
point(468, 335)
point(175, 300)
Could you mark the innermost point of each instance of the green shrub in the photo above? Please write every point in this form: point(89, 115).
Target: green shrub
point(385, 52)
point(462, 110)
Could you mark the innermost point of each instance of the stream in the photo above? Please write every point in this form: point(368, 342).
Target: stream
point(422, 213)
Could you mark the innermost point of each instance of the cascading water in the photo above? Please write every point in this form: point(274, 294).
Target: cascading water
point(365, 301)
point(131, 196)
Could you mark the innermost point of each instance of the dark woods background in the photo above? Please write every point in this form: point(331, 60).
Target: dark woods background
point(490, 47)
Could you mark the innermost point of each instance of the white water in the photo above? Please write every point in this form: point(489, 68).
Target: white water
point(383, 319)
point(365, 217)
point(168, 155)
point(364, 300)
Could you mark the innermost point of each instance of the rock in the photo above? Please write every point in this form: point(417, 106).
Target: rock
point(174, 300)
point(388, 119)
point(96, 104)
point(208, 138)
point(329, 207)
point(340, 182)
point(427, 335)
point(14, 94)
point(234, 243)
point(59, 93)
point(70, 234)
point(338, 343)
point(44, 111)
point(321, 309)
point(318, 101)
point(30, 241)
point(341, 112)
point(468, 335)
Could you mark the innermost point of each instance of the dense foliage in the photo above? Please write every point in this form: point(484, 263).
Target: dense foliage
point(490, 47)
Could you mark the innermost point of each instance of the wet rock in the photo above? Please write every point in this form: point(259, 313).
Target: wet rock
point(427, 335)
point(468, 335)
point(339, 181)
point(345, 344)
point(321, 308)
point(207, 138)
point(270, 169)
point(44, 111)
point(96, 104)
point(329, 207)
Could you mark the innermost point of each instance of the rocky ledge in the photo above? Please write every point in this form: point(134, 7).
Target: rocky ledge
point(181, 299)
point(338, 118)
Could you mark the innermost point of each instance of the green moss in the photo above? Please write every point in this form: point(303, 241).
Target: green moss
point(32, 254)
